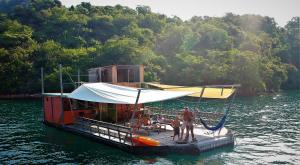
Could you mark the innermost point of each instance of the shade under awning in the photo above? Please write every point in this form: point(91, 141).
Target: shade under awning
point(109, 93)
point(209, 92)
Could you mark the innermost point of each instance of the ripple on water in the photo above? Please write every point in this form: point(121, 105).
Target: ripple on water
point(267, 131)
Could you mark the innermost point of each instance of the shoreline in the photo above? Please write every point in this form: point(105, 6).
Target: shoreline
point(21, 96)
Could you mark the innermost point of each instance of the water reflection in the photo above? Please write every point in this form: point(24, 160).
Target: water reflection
point(267, 131)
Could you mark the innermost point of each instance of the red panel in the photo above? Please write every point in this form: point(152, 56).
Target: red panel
point(119, 108)
point(47, 109)
point(53, 114)
point(69, 115)
point(125, 111)
point(56, 109)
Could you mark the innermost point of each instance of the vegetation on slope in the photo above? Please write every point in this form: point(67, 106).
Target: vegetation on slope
point(248, 49)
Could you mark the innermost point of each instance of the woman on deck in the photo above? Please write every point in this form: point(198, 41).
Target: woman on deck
point(184, 122)
point(146, 120)
point(176, 124)
point(188, 118)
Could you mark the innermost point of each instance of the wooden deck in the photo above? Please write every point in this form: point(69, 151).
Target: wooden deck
point(120, 136)
point(201, 134)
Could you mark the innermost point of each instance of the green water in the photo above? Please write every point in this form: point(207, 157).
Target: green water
point(267, 130)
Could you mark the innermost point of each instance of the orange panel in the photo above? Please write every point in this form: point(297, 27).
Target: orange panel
point(120, 109)
point(56, 109)
point(47, 109)
point(69, 115)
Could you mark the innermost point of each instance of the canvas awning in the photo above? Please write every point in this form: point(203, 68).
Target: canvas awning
point(209, 92)
point(109, 93)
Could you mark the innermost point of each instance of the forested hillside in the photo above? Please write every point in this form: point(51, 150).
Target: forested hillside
point(248, 49)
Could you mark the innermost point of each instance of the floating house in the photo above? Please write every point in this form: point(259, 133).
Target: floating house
point(111, 109)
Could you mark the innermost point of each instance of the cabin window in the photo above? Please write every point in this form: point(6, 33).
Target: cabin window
point(67, 106)
point(100, 75)
point(105, 75)
point(82, 105)
point(111, 113)
point(91, 105)
point(128, 75)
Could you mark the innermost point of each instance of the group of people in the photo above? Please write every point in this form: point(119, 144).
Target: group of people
point(144, 120)
point(187, 123)
point(182, 122)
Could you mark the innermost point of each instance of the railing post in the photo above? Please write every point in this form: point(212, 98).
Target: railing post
point(135, 106)
point(131, 136)
point(90, 126)
point(87, 126)
point(119, 136)
point(98, 130)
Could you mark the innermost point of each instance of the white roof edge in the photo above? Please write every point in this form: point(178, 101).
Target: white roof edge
point(110, 93)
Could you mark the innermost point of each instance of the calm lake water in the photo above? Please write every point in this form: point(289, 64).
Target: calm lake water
point(267, 130)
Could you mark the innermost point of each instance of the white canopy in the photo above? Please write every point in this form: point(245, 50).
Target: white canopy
point(109, 93)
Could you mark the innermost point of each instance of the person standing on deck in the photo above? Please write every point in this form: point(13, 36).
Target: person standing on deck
point(184, 122)
point(176, 124)
point(188, 116)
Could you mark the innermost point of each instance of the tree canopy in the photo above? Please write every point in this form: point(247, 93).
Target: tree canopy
point(248, 49)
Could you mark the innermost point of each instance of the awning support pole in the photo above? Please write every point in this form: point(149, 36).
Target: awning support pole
point(201, 94)
point(233, 98)
point(42, 80)
point(72, 112)
point(116, 108)
point(100, 111)
point(78, 78)
point(229, 106)
point(222, 91)
point(42, 87)
point(61, 95)
point(128, 76)
point(100, 75)
point(135, 106)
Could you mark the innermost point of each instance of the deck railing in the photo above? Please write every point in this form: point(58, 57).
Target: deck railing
point(210, 117)
point(110, 131)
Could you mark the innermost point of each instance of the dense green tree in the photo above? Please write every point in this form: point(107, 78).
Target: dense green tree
point(16, 45)
point(247, 49)
point(292, 56)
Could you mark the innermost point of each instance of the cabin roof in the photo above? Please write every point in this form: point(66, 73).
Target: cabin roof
point(118, 66)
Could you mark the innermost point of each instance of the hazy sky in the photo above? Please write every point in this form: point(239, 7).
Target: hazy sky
point(281, 10)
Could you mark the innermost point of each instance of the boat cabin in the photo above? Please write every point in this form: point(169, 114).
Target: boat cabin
point(125, 75)
point(63, 115)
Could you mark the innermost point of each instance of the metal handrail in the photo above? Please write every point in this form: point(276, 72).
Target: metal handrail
point(111, 130)
point(171, 114)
